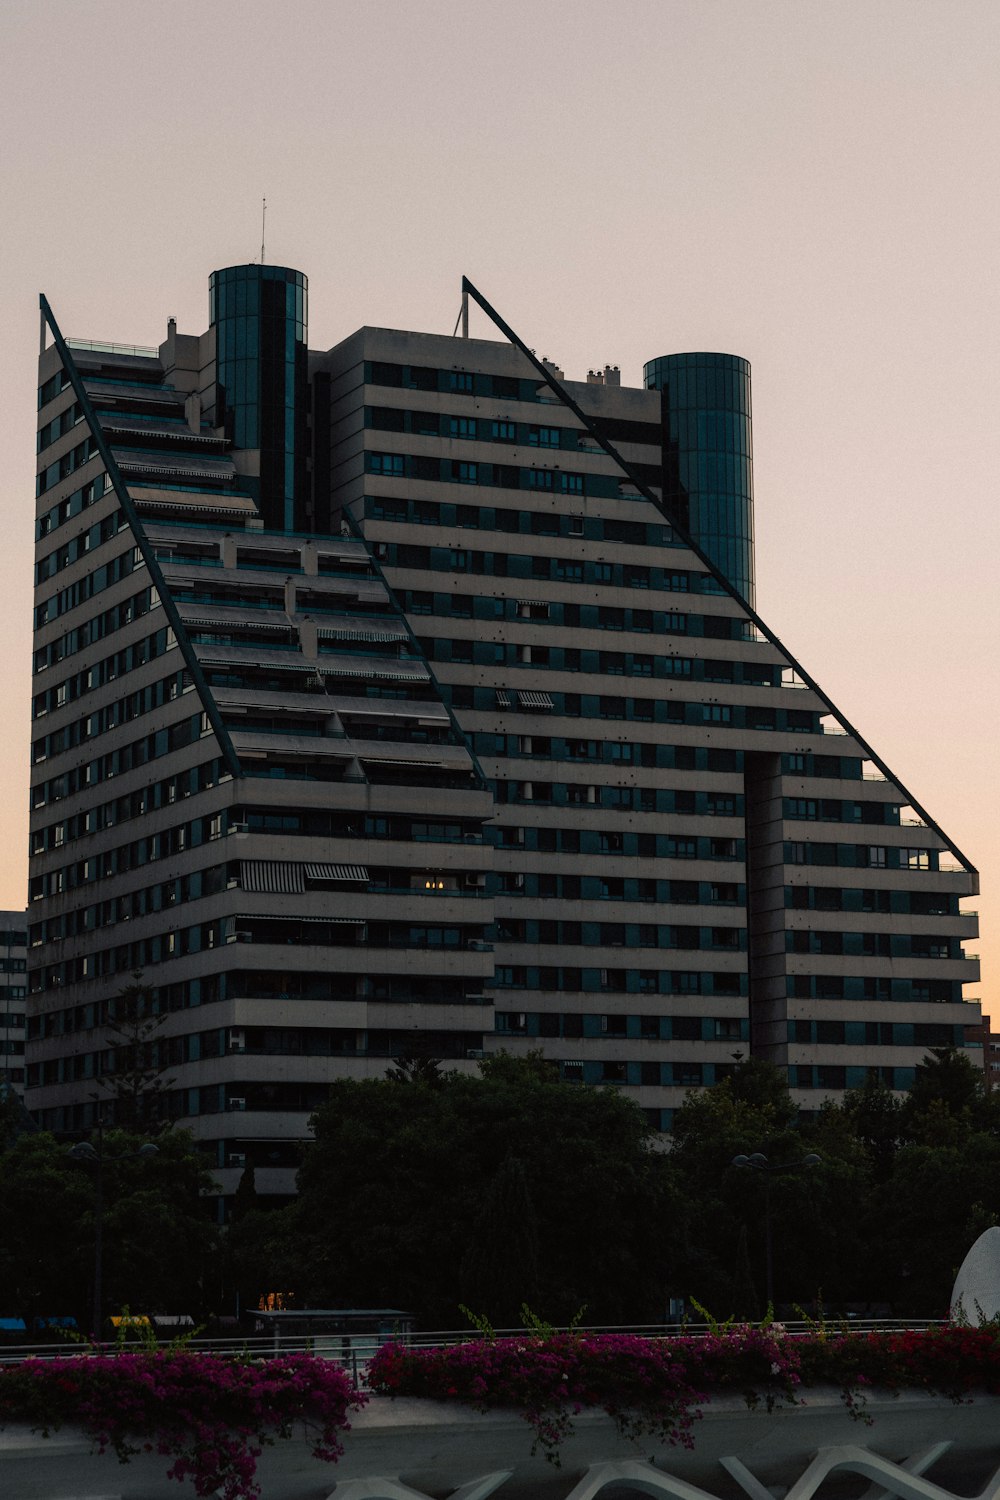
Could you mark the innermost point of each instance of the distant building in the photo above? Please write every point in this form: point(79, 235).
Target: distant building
point(380, 709)
point(13, 998)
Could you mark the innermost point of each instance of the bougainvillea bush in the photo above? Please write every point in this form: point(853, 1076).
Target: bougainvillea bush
point(211, 1416)
point(656, 1387)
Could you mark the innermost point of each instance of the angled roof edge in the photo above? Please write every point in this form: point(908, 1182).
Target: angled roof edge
point(465, 740)
point(142, 542)
point(547, 376)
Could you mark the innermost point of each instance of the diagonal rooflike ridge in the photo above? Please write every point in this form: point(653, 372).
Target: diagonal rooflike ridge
point(593, 429)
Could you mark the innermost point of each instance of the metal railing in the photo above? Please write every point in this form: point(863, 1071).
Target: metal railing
point(355, 1351)
point(96, 347)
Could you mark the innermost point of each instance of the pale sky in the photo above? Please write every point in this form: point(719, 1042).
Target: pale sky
point(808, 183)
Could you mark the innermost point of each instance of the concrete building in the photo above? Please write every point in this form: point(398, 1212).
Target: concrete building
point(409, 698)
point(13, 998)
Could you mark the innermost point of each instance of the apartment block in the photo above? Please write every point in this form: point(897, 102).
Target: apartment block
point(410, 699)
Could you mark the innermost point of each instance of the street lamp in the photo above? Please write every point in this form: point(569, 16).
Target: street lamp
point(83, 1151)
point(758, 1162)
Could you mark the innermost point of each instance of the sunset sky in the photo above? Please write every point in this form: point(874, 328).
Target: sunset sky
point(808, 183)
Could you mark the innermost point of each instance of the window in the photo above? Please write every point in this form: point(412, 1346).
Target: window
point(460, 380)
point(682, 848)
point(716, 713)
point(721, 807)
point(462, 427)
point(687, 1074)
point(392, 465)
point(543, 437)
point(914, 859)
point(875, 856)
point(503, 432)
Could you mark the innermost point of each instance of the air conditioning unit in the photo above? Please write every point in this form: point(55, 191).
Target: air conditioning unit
point(237, 1104)
point(237, 1039)
point(242, 937)
point(236, 1159)
point(239, 828)
point(475, 1054)
point(474, 882)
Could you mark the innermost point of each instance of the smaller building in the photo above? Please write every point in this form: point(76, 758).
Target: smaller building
point(13, 997)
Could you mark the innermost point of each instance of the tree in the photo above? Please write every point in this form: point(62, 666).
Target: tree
point(500, 1268)
point(874, 1115)
point(403, 1197)
point(935, 1205)
point(412, 1068)
point(135, 1083)
point(47, 1244)
point(158, 1232)
point(721, 1251)
point(945, 1084)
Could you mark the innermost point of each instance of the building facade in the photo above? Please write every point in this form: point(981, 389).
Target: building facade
point(448, 726)
point(13, 998)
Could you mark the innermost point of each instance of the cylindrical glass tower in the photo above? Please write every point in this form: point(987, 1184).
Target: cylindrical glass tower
point(260, 314)
point(708, 456)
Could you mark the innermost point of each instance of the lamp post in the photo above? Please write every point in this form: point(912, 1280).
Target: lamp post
point(91, 1157)
point(758, 1162)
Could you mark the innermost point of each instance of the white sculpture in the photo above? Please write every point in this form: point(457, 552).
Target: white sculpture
point(975, 1297)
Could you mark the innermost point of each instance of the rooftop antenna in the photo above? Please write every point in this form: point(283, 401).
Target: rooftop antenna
point(463, 316)
point(263, 221)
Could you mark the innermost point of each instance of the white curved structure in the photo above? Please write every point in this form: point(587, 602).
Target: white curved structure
point(919, 1447)
point(976, 1293)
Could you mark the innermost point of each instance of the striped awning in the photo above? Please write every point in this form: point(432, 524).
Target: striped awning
point(359, 630)
point(426, 713)
point(272, 877)
point(535, 700)
point(229, 620)
point(336, 872)
point(333, 921)
point(270, 919)
point(503, 698)
point(389, 668)
point(392, 760)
